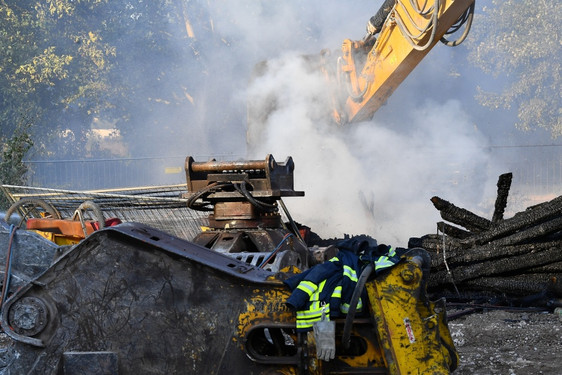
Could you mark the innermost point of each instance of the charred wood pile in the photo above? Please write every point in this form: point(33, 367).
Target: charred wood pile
point(519, 257)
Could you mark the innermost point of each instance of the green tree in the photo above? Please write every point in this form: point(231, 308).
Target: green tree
point(12, 168)
point(71, 62)
point(16, 43)
point(519, 43)
point(54, 71)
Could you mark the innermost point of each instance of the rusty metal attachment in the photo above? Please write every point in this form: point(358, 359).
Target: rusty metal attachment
point(246, 222)
point(241, 194)
point(266, 177)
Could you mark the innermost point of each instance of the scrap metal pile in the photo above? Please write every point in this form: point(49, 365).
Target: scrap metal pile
point(519, 257)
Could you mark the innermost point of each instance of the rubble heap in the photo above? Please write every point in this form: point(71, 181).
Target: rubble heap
point(520, 256)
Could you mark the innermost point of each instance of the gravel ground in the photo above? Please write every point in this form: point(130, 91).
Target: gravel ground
point(510, 343)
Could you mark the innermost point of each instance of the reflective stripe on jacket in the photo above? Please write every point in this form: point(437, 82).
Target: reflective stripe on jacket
point(328, 285)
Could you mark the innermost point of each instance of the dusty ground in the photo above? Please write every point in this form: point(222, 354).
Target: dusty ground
point(500, 342)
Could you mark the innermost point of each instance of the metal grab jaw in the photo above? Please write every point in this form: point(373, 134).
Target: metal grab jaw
point(131, 299)
point(412, 330)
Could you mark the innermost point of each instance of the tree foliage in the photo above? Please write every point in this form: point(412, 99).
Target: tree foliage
point(70, 63)
point(12, 168)
point(51, 63)
point(519, 42)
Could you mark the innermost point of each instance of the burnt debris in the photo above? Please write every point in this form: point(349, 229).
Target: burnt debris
point(518, 258)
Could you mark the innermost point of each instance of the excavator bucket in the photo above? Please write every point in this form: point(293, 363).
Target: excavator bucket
point(136, 300)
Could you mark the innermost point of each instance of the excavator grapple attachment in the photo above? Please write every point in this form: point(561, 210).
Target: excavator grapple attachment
point(144, 302)
point(132, 299)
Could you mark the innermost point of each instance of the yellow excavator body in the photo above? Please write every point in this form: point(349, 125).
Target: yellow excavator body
point(400, 332)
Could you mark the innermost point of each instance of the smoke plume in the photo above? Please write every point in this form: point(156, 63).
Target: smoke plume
point(369, 178)
point(375, 177)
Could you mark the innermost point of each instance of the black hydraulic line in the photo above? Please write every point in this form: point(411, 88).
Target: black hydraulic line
point(291, 221)
point(191, 201)
point(275, 251)
point(242, 189)
point(466, 18)
point(353, 303)
point(458, 23)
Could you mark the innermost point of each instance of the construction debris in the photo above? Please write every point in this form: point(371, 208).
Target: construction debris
point(518, 257)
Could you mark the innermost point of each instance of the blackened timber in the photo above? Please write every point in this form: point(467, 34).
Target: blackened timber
point(504, 184)
point(460, 216)
point(532, 233)
point(554, 267)
point(430, 242)
point(532, 216)
point(523, 285)
point(499, 266)
point(488, 253)
point(433, 242)
point(453, 231)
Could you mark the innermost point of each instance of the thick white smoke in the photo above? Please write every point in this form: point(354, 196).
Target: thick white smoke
point(376, 177)
point(372, 178)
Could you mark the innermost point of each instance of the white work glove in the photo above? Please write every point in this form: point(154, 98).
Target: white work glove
point(325, 337)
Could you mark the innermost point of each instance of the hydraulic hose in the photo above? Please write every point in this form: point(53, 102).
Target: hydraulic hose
point(353, 303)
point(272, 254)
point(96, 212)
point(191, 201)
point(30, 204)
point(466, 18)
point(242, 189)
point(431, 24)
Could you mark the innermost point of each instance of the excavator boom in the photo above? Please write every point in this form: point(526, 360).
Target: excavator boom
point(409, 31)
point(363, 75)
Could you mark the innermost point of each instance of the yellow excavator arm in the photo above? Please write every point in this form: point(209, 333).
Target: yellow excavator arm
point(364, 75)
point(371, 69)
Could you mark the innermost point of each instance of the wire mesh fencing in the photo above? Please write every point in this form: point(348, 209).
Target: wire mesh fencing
point(114, 183)
point(161, 207)
point(105, 173)
point(537, 170)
